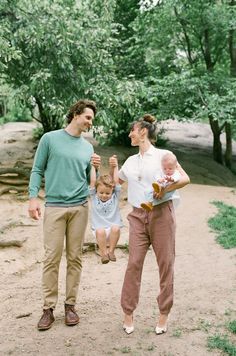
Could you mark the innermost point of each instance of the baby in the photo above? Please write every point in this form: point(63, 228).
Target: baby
point(170, 175)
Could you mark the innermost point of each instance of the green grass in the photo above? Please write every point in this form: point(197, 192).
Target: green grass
point(224, 223)
point(232, 326)
point(222, 342)
point(177, 333)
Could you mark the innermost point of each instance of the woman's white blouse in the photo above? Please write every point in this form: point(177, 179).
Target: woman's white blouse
point(140, 172)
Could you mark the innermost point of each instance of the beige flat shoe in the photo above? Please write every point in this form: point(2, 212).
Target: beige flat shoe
point(128, 329)
point(161, 330)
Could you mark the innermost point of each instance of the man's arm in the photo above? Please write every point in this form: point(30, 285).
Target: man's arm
point(94, 162)
point(37, 173)
point(93, 177)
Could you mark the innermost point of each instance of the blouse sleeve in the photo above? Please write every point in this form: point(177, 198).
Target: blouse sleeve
point(122, 174)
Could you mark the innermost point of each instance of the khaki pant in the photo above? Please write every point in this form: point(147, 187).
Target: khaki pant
point(156, 228)
point(61, 224)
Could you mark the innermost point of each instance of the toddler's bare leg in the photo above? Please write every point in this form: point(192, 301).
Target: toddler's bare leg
point(102, 243)
point(114, 237)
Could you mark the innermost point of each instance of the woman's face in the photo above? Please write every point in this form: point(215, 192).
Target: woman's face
point(135, 135)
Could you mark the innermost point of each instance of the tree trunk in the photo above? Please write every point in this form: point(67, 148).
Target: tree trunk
point(217, 147)
point(228, 151)
point(232, 47)
point(207, 51)
point(49, 123)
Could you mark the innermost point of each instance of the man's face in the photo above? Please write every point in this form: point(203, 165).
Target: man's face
point(85, 120)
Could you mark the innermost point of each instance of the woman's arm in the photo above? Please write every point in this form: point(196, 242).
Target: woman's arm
point(184, 180)
point(113, 162)
point(121, 181)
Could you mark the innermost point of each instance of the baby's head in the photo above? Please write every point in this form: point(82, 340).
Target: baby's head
point(169, 163)
point(104, 187)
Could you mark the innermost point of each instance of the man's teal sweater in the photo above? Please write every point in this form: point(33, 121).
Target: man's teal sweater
point(64, 161)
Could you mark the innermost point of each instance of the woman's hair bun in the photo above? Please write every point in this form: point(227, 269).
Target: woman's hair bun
point(149, 118)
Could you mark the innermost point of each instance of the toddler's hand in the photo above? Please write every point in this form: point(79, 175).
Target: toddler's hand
point(96, 160)
point(113, 162)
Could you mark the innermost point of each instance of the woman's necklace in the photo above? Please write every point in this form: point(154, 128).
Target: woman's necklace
point(140, 168)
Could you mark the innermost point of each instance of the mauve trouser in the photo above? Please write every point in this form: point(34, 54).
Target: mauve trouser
point(156, 228)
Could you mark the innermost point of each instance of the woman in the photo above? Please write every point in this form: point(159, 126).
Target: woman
point(156, 228)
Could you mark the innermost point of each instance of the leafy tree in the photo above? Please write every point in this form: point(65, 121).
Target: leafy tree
point(55, 52)
point(191, 62)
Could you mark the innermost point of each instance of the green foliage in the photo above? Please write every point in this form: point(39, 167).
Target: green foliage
point(13, 108)
point(177, 333)
point(38, 133)
point(222, 342)
point(232, 326)
point(224, 223)
point(123, 106)
point(17, 112)
point(63, 53)
point(170, 59)
point(188, 67)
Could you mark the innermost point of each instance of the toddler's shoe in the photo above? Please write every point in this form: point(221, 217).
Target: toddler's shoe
point(112, 256)
point(105, 259)
point(147, 206)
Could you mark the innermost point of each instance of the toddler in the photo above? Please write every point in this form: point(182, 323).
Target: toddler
point(105, 214)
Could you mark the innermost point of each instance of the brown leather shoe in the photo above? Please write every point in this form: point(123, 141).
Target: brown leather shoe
point(71, 317)
point(46, 319)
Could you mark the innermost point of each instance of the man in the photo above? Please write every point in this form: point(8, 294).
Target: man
point(64, 158)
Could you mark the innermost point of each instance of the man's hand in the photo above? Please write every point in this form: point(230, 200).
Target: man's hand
point(34, 209)
point(113, 162)
point(96, 160)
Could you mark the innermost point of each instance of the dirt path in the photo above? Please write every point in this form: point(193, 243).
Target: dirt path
point(204, 289)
